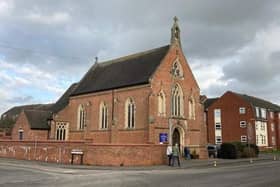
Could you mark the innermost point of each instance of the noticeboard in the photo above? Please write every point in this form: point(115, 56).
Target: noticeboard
point(163, 137)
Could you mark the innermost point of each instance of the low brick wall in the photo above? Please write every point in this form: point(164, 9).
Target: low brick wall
point(94, 154)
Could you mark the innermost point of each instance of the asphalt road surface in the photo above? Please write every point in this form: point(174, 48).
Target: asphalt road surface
point(253, 175)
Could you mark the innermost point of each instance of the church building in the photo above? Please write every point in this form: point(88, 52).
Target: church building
point(147, 99)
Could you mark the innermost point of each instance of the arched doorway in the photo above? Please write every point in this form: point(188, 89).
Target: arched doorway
point(176, 137)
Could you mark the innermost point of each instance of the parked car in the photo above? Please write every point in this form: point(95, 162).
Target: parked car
point(213, 150)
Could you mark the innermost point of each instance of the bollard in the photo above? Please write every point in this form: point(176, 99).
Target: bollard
point(274, 157)
point(215, 163)
point(251, 160)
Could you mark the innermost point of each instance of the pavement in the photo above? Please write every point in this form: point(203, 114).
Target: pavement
point(185, 164)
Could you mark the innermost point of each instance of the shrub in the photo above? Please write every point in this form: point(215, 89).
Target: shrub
point(238, 150)
point(229, 151)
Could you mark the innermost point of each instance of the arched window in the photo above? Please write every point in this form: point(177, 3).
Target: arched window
point(81, 117)
point(161, 104)
point(191, 108)
point(130, 113)
point(61, 131)
point(177, 101)
point(177, 69)
point(103, 116)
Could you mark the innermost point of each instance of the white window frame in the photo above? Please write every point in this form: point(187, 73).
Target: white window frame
point(218, 126)
point(243, 124)
point(263, 113)
point(242, 110)
point(81, 117)
point(177, 101)
point(243, 138)
point(130, 113)
point(217, 115)
point(218, 139)
point(103, 116)
point(61, 131)
point(257, 109)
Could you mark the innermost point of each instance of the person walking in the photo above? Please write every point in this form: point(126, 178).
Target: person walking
point(169, 154)
point(175, 155)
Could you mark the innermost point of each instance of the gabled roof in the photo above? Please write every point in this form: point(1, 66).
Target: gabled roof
point(257, 102)
point(38, 119)
point(63, 101)
point(17, 109)
point(131, 70)
point(9, 117)
point(209, 102)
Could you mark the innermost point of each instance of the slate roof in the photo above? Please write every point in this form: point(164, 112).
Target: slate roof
point(63, 101)
point(130, 70)
point(38, 119)
point(17, 109)
point(257, 102)
point(209, 102)
point(12, 114)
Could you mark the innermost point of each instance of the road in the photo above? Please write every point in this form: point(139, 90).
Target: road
point(245, 175)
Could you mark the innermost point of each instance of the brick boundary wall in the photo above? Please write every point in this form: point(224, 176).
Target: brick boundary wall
point(94, 154)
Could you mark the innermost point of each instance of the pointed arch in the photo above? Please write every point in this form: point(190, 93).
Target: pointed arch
point(103, 116)
point(177, 101)
point(161, 103)
point(81, 116)
point(130, 113)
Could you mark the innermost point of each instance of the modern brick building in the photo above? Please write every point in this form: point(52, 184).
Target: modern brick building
point(129, 106)
point(239, 117)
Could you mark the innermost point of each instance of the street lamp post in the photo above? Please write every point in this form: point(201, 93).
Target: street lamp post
point(249, 137)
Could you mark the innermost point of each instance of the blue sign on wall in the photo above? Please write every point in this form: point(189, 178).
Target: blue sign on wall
point(163, 137)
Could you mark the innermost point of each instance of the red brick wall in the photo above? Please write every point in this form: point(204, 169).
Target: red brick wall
point(229, 104)
point(193, 130)
point(148, 124)
point(94, 154)
point(28, 134)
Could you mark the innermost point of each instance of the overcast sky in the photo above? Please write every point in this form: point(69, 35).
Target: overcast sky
point(47, 45)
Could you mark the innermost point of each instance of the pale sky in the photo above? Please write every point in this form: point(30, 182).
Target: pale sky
point(46, 45)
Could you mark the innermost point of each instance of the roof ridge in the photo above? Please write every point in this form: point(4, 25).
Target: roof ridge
point(131, 56)
point(259, 99)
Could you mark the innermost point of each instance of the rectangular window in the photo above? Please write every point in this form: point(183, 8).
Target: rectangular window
point(217, 115)
point(263, 113)
point(263, 139)
point(243, 124)
point(257, 112)
point(262, 126)
point(243, 138)
point(218, 126)
point(257, 139)
point(218, 139)
point(242, 110)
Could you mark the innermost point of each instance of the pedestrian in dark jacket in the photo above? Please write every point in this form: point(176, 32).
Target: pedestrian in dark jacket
point(175, 154)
